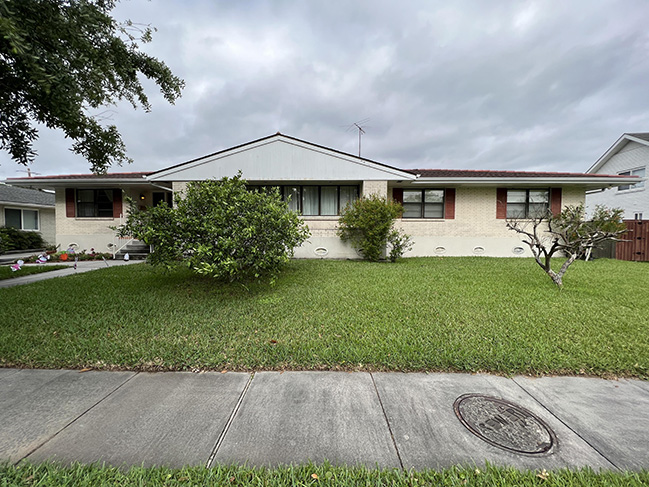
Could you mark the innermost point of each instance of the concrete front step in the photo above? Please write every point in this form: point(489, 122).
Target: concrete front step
point(135, 251)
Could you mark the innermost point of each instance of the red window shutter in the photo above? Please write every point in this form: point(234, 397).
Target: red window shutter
point(555, 201)
point(449, 207)
point(117, 203)
point(397, 195)
point(70, 206)
point(501, 203)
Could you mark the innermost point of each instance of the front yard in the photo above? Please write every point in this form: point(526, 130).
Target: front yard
point(51, 475)
point(433, 314)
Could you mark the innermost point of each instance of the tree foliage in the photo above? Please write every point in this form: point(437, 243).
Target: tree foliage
point(221, 229)
point(568, 233)
point(60, 59)
point(368, 224)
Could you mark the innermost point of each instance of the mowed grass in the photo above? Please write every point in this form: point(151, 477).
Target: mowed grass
point(421, 314)
point(48, 474)
point(7, 273)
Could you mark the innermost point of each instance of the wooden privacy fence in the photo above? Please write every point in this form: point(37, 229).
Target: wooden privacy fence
point(636, 246)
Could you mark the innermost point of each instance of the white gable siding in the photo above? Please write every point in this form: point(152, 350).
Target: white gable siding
point(633, 155)
point(281, 160)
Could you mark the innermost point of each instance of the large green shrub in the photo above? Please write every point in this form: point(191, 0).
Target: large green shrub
point(368, 224)
point(221, 229)
point(14, 239)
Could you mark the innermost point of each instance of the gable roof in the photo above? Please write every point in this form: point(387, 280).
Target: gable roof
point(639, 137)
point(281, 157)
point(278, 158)
point(25, 197)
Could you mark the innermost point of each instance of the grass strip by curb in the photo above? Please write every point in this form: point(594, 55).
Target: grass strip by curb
point(49, 474)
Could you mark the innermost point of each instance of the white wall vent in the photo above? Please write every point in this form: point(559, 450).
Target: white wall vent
point(321, 251)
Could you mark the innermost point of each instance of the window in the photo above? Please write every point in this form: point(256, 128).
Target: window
point(633, 172)
point(95, 203)
point(315, 200)
point(638, 216)
point(159, 197)
point(527, 203)
point(21, 219)
point(423, 203)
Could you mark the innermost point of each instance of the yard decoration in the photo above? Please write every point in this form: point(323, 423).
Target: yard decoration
point(16, 267)
point(568, 233)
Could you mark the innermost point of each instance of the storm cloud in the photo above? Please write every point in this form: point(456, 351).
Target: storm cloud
point(469, 84)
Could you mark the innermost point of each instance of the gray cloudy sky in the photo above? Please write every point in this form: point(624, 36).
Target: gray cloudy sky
point(526, 85)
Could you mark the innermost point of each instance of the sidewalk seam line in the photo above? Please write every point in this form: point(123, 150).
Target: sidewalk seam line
point(76, 419)
point(567, 425)
point(234, 412)
point(387, 421)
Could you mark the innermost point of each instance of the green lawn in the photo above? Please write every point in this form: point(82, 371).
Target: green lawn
point(7, 273)
point(50, 475)
point(436, 314)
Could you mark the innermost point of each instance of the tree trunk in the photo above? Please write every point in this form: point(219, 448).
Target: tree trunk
point(556, 278)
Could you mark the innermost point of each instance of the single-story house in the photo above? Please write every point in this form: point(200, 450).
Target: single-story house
point(628, 156)
point(446, 211)
point(28, 209)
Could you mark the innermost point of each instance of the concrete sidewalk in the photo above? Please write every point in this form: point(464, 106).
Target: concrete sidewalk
point(271, 418)
point(82, 266)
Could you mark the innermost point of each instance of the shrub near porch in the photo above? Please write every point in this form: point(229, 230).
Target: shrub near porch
point(459, 314)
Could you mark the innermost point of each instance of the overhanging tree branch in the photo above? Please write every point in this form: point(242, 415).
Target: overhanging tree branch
point(58, 61)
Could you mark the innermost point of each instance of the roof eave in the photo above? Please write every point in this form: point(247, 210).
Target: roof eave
point(27, 205)
point(624, 138)
point(587, 182)
point(77, 182)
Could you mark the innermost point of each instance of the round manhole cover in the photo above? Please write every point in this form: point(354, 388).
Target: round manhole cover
point(504, 424)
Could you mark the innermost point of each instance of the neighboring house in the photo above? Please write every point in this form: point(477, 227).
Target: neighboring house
point(447, 212)
point(28, 209)
point(629, 156)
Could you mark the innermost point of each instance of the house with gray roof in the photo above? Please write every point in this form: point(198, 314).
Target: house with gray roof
point(628, 156)
point(450, 212)
point(28, 209)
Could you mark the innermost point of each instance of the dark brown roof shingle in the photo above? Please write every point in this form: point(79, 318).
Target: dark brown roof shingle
point(481, 173)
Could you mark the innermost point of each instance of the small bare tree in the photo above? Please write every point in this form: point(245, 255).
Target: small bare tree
point(568, 234)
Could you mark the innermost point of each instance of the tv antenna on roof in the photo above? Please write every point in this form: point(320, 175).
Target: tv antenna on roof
point(361, 131)
point(29, 172)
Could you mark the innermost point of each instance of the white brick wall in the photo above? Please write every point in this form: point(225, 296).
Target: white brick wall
point(474, 231)
point(375, 187)
point(475, 225)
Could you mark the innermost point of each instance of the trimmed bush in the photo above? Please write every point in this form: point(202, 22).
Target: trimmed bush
point(14, 239)
point(221, 229)
point(368, 225)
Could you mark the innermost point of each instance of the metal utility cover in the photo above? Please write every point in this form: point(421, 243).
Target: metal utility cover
point(504, 424)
